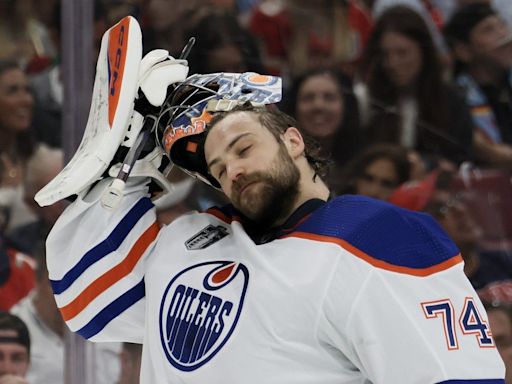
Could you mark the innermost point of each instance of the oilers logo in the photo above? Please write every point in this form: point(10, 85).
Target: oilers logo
point(196, 320)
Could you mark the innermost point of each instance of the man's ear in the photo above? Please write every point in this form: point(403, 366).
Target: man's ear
point(462, 52)
point(294, 142)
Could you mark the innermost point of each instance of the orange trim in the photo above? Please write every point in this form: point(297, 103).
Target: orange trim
point(219, 215)
point(380, 263)
point(112, 276)
point(481, 110)
point(117, 48)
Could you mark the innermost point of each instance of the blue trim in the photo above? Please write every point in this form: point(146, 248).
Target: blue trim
point(114, 309)
point(110, 244)
point(479, 381)
point(383, 231)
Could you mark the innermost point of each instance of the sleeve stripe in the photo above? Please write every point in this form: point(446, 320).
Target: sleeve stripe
point(456, 259)
point(110, 244)
point(481, 381)
point(113, 310)
point(112, 276)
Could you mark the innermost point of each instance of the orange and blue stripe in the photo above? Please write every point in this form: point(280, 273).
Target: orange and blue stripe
point(110, 277)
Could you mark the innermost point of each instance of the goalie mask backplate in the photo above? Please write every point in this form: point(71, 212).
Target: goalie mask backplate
point(192, 105)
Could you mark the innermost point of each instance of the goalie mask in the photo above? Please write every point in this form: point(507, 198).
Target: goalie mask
point(192, 104)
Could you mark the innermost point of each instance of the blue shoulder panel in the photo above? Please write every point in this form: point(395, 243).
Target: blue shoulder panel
point(383, 231)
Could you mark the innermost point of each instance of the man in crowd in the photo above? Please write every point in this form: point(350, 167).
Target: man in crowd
point(482, 46)
point(14, 349)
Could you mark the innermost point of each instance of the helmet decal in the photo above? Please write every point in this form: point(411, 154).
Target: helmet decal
point(190, 106)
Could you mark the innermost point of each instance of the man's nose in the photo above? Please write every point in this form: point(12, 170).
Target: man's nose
point(6, 367)
point(234, 170)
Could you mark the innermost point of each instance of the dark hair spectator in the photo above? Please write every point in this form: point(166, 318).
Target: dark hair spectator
point(168, 22)
point(14, 349)
point(407, 101)
point(23, 37)
point(14, 124)
point(16, 139)
point(222, 45)
point(323, 102)
point(375, 172)
point(482, 46)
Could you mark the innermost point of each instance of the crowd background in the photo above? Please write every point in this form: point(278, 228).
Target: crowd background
point(411, 99)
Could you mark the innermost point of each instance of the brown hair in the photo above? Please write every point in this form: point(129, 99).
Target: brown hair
point(277, 122)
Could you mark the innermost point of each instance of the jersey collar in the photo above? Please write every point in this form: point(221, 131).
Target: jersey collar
point(261, 236)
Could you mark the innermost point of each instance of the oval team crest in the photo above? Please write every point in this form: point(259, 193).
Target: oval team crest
point(199, 311)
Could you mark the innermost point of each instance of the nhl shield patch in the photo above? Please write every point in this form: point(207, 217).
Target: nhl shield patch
point(199, 311)
point(206, 237)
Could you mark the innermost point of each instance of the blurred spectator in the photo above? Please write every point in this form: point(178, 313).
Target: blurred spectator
point(325, 107)
point(375, 172)
point(130, 363)
point(17, 277)
point(47, 328)
point(500, 322)
point(42, 167)
point(115, 10)
point(404, 99)
point(44, 11)
point(427, 9)
point(169, 22)
point(434, 195)
point(48, 91)
point(14, 349)
point(418, 167)
point(222, 45)
point(298, 35)
point(22, 37)
point(448, 7)
point(16, 141)
point(482, 46)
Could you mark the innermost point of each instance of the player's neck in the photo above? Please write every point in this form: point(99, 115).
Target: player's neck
point(311, 187)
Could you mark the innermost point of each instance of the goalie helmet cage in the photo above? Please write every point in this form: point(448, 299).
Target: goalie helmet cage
point(77, 70)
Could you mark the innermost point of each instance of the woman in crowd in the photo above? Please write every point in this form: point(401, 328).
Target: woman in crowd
point(16, 141)
point(375, 172)
point(403, 96)
point(222, 45)
point(324, 105)
point(298, 35)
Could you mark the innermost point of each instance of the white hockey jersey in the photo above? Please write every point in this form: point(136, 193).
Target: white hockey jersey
point(349, 291)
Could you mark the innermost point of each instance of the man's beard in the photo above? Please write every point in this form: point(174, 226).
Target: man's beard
point(274, 195)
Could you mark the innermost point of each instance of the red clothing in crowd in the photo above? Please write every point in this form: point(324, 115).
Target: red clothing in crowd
point(20, 281)
point(275, 32)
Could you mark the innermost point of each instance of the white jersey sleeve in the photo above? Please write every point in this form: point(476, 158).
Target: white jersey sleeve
point(96, 263)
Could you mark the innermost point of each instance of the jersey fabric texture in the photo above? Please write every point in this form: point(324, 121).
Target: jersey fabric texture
point(349, 291)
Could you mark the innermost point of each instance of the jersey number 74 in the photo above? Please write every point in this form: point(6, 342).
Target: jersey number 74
point(470, 321)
